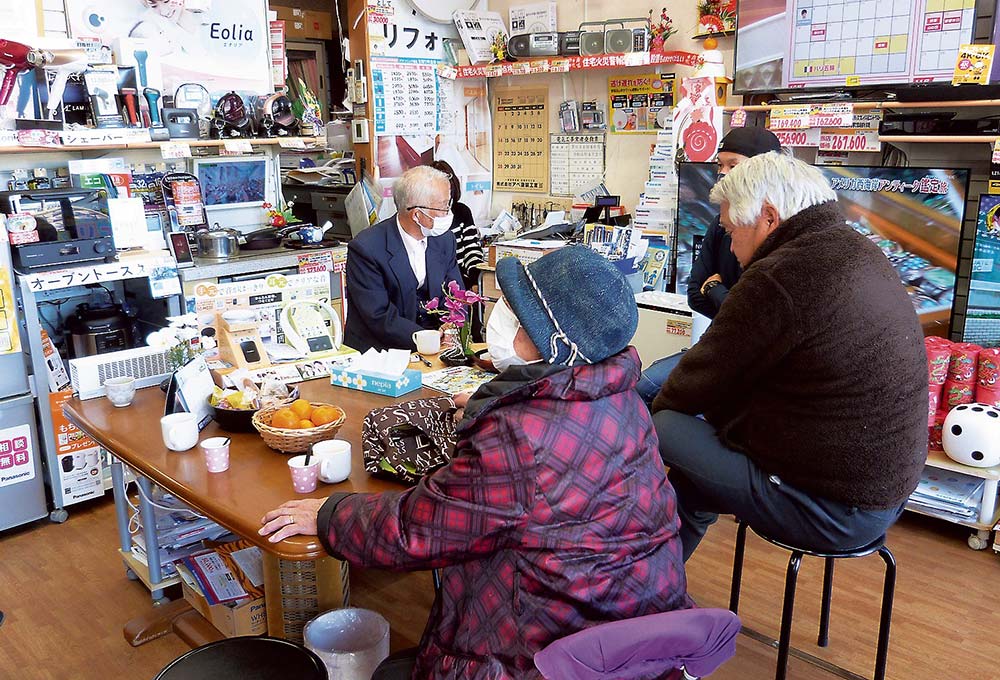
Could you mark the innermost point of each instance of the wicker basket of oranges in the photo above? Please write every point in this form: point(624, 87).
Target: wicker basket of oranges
point(294, 427)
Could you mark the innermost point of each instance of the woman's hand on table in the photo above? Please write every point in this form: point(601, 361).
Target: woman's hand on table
point(291, 519)
point(461, 400)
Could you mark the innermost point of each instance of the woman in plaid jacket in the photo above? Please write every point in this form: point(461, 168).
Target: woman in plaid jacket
point(554, 513)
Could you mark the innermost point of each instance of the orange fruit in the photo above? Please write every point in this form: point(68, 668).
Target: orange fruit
point(285, 418)
point(322, 415)
point(302, 408)
point(305, 424)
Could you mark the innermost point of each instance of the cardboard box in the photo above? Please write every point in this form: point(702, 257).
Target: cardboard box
point(319, 25)
point(379, 384)
point(526, 250)
point(296, 27)
point(248, 618)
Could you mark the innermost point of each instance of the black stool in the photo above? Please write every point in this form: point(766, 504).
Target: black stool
point(888, 590)
point(246, 658)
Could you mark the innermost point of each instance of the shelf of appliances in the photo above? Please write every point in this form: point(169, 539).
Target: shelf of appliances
point(576, 63)
point(290, 144)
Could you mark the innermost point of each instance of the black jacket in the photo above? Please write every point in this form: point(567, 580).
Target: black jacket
point(382, 290)
point(716, 257)
point(815, 366)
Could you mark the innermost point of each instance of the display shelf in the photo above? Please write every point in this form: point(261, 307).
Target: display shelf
point(193, 143)
point(142, 571)
point(989, 514)
point(939, 139)
point(867, 106)
point(576, 63)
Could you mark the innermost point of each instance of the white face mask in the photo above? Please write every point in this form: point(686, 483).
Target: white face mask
point(501, 328)
point(441, 225)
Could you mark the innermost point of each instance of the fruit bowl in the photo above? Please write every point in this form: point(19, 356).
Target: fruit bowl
point(297, 439)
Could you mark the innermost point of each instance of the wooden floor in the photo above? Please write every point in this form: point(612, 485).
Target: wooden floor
point(66, 598)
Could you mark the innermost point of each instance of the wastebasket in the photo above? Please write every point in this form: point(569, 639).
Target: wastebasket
point(246, 658)
point(351, 642)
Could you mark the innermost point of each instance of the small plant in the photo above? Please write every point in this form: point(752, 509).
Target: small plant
point(456, 309)
point(660, 30)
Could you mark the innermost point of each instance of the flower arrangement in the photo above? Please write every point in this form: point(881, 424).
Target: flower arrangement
point(279, 217)
point(456, 309)
point(660, 30)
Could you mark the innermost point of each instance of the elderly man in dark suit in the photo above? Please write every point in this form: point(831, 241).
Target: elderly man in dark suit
point(399, 264)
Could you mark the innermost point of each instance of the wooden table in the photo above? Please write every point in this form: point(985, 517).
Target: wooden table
point(256, 482)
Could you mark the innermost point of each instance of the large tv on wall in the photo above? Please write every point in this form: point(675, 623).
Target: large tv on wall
point(833, 44)
point(915, 215)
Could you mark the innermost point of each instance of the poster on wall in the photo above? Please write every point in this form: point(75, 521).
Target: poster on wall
point(80, 457)
point(521, 131)
point(10, 341)
point(406, 96)
point(642, 103)
point(223, 46)
point(395, 29)
point(17, 460)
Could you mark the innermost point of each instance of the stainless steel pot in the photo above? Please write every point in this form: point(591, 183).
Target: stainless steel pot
point(218, 243)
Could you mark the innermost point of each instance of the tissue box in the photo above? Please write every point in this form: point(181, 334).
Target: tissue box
point(367, 381)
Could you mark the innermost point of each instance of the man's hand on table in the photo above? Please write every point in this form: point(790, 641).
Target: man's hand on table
point(292, 518)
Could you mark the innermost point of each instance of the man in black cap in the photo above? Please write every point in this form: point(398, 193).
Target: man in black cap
point(716, 269)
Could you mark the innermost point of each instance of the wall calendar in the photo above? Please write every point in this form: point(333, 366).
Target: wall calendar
point(521, 134)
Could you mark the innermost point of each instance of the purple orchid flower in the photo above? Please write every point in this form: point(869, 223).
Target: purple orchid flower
point(432, 304)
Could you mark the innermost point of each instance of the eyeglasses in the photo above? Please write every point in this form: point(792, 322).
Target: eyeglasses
point(426, 207)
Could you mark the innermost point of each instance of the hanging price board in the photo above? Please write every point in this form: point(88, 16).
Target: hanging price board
point(790, 117)
point(798, 138)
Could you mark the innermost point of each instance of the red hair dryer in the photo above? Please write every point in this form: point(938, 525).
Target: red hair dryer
point(16, 58)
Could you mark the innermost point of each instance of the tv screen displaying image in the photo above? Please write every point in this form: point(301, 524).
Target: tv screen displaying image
point(794, 44)
point(233, 182)
point(914, 215)
point(694, 215)
point(982, 315)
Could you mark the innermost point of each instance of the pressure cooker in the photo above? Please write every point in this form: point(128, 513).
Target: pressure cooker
point(219, 244)
point(98, 329)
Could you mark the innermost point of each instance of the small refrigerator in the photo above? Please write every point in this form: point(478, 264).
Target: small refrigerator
point(22, 484)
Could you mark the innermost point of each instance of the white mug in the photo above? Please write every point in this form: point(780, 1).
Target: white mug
point(427, 342)
point(120, 391)
point(334, 460)
point(180, 431)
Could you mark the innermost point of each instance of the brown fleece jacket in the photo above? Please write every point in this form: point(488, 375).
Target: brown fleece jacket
point(815, 366)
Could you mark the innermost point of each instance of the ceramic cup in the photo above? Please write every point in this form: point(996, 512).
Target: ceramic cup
point(427, 342)
point(335, 460)
point(120, 391)
point(180, 431)
point(216, 450)
point(304, 477)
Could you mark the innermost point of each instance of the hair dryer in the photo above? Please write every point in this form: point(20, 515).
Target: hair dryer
point(16, 58)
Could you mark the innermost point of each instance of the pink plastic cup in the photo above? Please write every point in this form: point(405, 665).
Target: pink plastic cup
point(304, 477)
point(216, 450)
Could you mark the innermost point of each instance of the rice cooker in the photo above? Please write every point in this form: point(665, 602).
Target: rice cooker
point(98, 329)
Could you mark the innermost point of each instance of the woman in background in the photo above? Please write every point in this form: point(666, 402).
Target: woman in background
point(468, 244)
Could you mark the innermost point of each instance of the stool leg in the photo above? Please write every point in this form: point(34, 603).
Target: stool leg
point(734, 593)
point(824, 615)
point(785, 639)
point(888, 591)
point(436, 576)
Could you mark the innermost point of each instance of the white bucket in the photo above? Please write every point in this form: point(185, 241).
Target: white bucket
point(351, 642)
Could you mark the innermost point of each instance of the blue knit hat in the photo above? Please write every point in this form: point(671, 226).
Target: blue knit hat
point(574, 304)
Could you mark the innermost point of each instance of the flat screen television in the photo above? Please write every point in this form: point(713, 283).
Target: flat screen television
point(832, 44)
point(982, 312)
point(915, 215)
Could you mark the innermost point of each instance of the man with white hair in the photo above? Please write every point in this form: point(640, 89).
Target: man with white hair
point(396, 266)
point(811, 379)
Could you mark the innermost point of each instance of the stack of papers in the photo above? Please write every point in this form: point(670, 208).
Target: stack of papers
point(949, 492)
point(657, 211)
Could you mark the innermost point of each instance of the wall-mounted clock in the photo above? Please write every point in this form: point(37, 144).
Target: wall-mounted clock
point(440, 11)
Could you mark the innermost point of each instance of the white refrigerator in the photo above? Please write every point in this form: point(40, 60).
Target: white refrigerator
point(22, 484)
